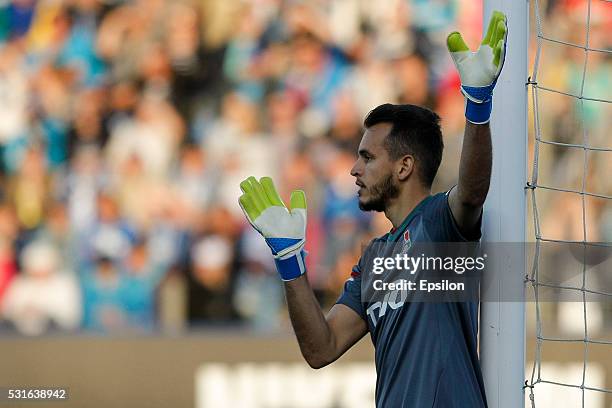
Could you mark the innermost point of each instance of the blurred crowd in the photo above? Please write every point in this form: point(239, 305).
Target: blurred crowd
point(127, 126)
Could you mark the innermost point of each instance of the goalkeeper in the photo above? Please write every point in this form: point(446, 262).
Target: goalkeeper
point(425, 353)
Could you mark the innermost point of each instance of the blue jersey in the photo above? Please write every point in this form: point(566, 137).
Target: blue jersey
point(425, 352)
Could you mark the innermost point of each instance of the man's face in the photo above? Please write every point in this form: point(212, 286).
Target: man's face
point(373, 170)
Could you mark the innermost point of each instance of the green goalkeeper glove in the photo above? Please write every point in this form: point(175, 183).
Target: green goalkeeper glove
point(479, 70)
point(284, 229)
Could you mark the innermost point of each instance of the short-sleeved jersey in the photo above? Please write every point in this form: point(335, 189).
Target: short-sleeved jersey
point(425, 352)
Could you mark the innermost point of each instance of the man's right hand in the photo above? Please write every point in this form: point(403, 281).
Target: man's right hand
point(321, 339)
point(284, 229)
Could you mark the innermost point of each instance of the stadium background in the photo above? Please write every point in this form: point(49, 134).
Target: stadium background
point(126, 127)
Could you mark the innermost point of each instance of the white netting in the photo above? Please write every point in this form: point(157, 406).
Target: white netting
point(571, 194)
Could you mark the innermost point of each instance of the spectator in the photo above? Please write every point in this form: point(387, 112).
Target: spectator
point(211, 274)
point(110, 235)
point(8, 266)
point(141, 277)
point(42, 297)
point(29, 189)
point(103, 307)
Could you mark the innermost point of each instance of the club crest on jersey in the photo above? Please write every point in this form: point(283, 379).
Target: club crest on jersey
point(407, 243)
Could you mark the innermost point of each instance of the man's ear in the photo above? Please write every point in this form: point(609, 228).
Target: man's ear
point(405, 167)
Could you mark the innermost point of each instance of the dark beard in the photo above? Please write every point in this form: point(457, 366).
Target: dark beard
point(380, 195)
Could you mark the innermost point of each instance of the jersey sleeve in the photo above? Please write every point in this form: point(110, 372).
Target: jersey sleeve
point(439, 214)
point(351, 294)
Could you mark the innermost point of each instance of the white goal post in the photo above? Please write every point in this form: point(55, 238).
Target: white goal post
point(502, 323)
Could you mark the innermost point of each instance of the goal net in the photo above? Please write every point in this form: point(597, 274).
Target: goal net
point(570, 200)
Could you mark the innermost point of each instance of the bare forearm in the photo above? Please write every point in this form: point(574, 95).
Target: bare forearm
point(475, 165)
point(311, 328)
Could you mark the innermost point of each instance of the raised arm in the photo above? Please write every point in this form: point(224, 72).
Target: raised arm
point(322, 339)
point(479, 72)
point(467, 199)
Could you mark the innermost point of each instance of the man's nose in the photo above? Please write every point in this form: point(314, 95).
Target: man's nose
point(355, 171)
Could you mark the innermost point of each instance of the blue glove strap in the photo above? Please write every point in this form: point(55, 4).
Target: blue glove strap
point(479, 102)
point(279, 244)
point(292, 267)
point(478, 113)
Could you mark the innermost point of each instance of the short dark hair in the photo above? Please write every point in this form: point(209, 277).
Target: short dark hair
point(415, 130)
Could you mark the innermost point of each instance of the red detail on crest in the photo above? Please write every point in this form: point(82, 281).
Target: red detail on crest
point(407, 235)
